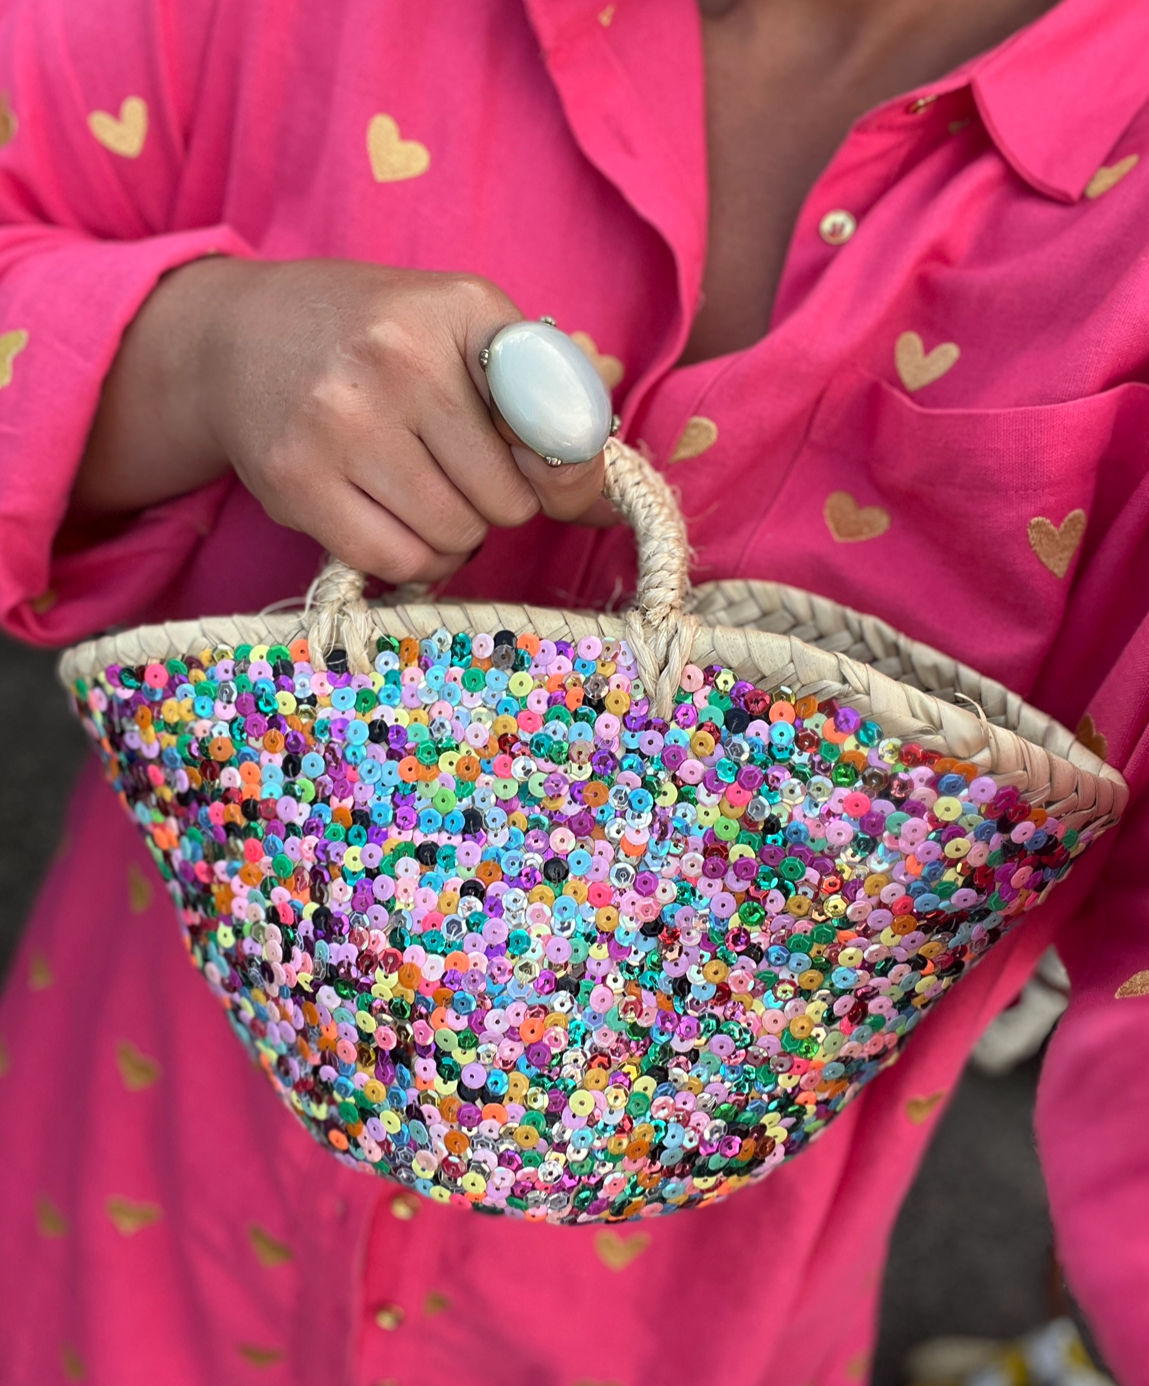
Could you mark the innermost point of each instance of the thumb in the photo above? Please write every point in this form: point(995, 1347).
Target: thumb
point(600, 514)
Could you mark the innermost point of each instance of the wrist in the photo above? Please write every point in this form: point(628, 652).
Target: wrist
point(153, 437)
point(199, 314)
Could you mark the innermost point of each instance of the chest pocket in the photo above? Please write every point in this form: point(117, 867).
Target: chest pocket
point(962, 527)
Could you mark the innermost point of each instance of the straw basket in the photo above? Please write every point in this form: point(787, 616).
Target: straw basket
point(579, 916)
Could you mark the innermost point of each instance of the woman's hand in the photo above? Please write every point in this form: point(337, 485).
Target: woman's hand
point(348, 398)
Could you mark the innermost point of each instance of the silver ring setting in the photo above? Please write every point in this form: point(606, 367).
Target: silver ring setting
point(546, 395)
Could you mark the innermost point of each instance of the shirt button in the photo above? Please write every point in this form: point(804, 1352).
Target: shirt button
point(389, 1316)
point(404, 1206)
point(837, 227)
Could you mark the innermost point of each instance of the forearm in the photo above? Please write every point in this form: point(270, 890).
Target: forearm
point(152, 437)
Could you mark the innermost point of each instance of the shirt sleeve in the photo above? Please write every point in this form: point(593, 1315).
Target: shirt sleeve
point(97, 111)
point(1093, 1106)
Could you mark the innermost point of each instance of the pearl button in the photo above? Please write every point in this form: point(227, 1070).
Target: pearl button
point(404, 1206)
point(389, 1317)
point(548, 392)
point(837, 227)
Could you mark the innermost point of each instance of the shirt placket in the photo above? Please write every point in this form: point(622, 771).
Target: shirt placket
point(648, 140)
point(645, 141)
point(395, 1303)
point(878, 150)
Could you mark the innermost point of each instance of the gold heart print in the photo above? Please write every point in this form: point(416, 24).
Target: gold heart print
point(1106, 178)
point(699, 436)
point(609, 368)
point(129, 1217)
point(918, 368)
point(260, 1356)
point(75, 1369)
point(1137, 985)
point(40, 975)
point(850, 522)
point(139, 889)
point(136, 1070)
point(124, 134)
point(393, 158)
point(1054, 544)
point(50, 1221)
point(920, 1109)
point(1088, 735)
point(11, 345)
point(268, 1251)
point(615, 1252)
point(8, 122)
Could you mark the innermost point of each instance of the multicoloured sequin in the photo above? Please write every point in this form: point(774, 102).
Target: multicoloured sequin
point(496, 931)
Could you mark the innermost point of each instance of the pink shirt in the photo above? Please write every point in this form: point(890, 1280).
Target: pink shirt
point(947, 425)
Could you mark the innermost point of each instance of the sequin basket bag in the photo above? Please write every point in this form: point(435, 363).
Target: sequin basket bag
point(573, 916)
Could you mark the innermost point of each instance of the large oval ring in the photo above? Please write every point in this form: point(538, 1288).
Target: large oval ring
point(545, 394)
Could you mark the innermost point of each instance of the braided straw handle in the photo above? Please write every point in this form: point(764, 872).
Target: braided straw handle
point(658, 628)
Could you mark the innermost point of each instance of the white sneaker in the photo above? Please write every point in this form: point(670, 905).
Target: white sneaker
point(1052, 1355)
point(1021, 1029)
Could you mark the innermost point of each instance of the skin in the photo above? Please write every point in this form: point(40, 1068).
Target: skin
point(348, 397)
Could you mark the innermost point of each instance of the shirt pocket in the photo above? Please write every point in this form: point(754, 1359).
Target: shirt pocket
point(962, 527)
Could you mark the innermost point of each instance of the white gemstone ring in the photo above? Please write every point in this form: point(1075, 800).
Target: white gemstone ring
point(545, 394)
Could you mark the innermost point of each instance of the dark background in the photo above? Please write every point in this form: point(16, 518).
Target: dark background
point(971, 1253)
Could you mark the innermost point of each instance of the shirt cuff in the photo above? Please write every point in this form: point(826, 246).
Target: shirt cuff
point(69, 301)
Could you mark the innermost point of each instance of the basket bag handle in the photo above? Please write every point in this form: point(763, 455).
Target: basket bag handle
point(658, 628)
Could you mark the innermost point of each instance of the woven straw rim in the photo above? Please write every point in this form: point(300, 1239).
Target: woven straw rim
point(767, 633)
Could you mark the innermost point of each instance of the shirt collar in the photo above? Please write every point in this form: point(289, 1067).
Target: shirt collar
point(1058, 95)
point(1055, 98)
